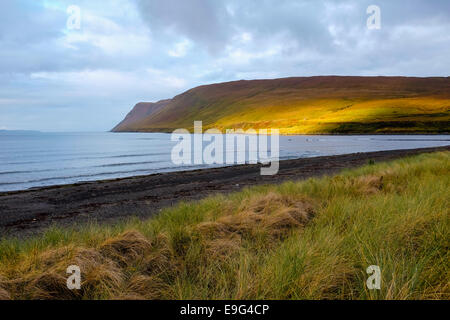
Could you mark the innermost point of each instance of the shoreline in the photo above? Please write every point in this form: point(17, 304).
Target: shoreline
point(395, 133)
point(31, 211)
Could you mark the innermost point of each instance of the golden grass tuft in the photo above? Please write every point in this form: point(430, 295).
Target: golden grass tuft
point(162, 261)
point(50, 285)
point(4, 295)
point(127, 248)
point(271, 213)
point(146, 287)
point(222, 248)
point(99, 274)
point(370, 184)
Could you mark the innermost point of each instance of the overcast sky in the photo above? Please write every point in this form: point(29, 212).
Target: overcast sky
point(55, 78)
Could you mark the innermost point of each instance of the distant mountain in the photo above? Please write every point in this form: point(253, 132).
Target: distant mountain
point(19, 132)
point(324, 104)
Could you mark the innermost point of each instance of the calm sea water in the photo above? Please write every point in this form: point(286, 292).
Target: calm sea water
point(42, 159)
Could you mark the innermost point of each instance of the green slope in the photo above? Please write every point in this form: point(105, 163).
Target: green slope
point(328, 104)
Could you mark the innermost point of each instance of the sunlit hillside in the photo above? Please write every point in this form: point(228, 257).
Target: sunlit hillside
point(306, 105)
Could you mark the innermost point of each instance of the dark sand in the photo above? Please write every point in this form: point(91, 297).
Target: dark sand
point(28, 212)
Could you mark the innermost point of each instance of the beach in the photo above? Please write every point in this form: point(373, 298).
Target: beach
point(30, 212)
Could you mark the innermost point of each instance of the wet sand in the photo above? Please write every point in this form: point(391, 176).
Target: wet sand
point(24, 213)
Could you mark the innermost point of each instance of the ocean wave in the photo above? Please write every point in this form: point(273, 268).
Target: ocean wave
point(99, 174)
point(90, 158)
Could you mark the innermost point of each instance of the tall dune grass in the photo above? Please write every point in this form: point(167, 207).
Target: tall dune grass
point(310, 239)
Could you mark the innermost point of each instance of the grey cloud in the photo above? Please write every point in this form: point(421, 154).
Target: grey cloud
point(203, 21)
point(288, 38)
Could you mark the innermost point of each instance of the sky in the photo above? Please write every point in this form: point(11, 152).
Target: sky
point(84, 69)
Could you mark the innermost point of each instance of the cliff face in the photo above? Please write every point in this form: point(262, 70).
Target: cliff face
point(328, 104)
point(140, 112)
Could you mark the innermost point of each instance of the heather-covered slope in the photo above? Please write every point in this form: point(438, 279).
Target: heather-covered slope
point(328, 104)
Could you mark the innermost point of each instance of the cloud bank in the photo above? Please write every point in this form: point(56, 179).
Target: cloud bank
point(57, 79)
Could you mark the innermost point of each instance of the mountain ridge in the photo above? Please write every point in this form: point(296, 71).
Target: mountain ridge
point(304, 105)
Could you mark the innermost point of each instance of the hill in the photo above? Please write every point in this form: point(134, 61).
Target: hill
point(303, 105)
point(141, 111)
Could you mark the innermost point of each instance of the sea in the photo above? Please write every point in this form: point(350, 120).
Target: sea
point(36, 159)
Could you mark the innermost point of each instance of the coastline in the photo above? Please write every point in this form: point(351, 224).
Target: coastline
point(393, 133)
point(28, 212)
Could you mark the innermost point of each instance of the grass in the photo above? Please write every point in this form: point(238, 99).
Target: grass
point(318, 116)
point(345, 116)
point(315, 105)
point(310, 239)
